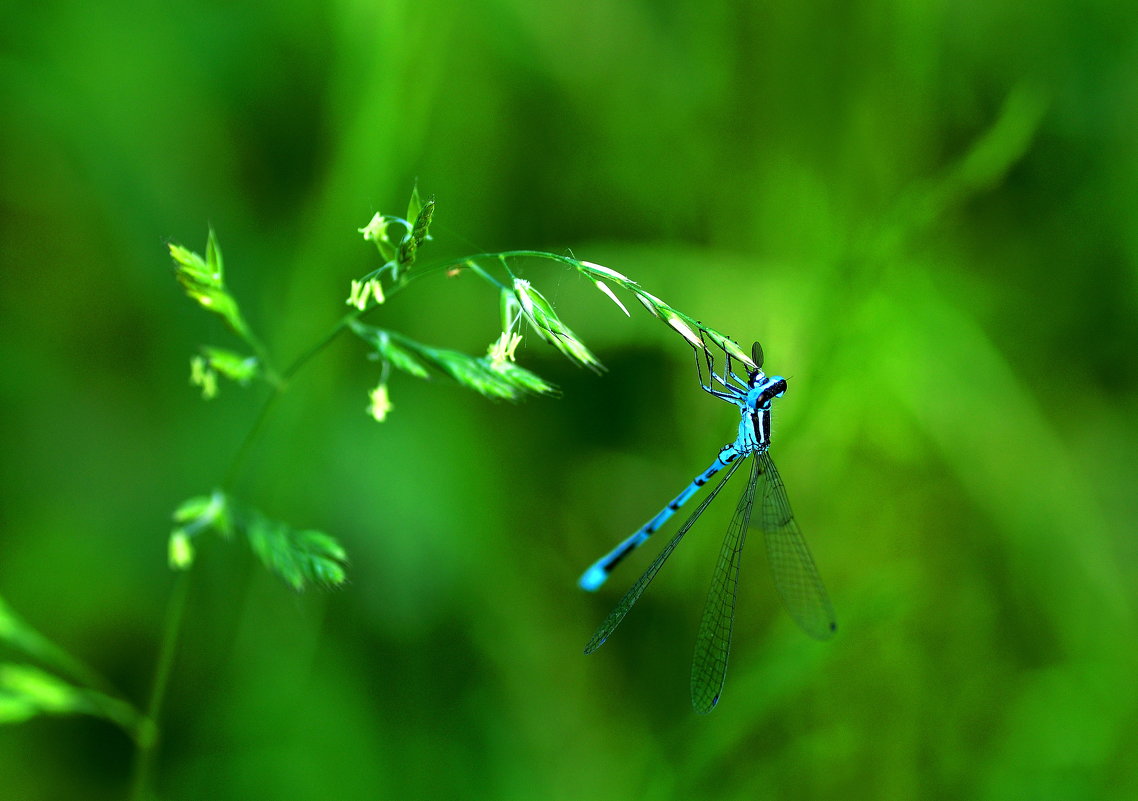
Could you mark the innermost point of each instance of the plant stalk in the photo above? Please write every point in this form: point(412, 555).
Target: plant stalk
point(149, 731)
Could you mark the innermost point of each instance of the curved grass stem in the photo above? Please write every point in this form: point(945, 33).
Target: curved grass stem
point(148, 734)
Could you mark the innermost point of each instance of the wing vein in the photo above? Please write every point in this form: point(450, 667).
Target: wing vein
point(713, 642)
point(795, 575)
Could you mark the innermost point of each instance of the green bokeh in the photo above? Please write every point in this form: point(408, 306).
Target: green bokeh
point(926, 212)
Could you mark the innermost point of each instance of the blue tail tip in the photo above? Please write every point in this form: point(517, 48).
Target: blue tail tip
point(592, 578)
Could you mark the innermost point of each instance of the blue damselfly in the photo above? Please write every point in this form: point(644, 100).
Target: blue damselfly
point(795, 576)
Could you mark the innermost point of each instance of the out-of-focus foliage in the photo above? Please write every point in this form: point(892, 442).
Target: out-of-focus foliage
point(925, 212)
point(301, 558)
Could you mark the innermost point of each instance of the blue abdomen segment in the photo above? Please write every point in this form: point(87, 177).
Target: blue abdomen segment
point(596, 575)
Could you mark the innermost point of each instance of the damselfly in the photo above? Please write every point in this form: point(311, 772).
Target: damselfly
point(795, 576)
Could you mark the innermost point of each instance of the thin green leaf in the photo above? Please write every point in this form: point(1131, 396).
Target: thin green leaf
point(213, 259)
point(607, 291)
point(415, 205)
point(27, 691)
point(19, 635)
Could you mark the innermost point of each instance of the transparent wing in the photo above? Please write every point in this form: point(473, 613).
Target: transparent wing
point(616, 615)
point(795, 576)
point(713, 643)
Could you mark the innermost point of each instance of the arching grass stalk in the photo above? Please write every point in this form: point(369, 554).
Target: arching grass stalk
point(304, 557)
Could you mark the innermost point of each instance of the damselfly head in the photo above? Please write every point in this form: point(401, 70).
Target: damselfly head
point(770, 387)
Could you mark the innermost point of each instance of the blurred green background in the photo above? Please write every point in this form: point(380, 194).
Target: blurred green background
point(926, 212)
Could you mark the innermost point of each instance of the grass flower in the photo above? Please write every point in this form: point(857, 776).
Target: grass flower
point(380, 403)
